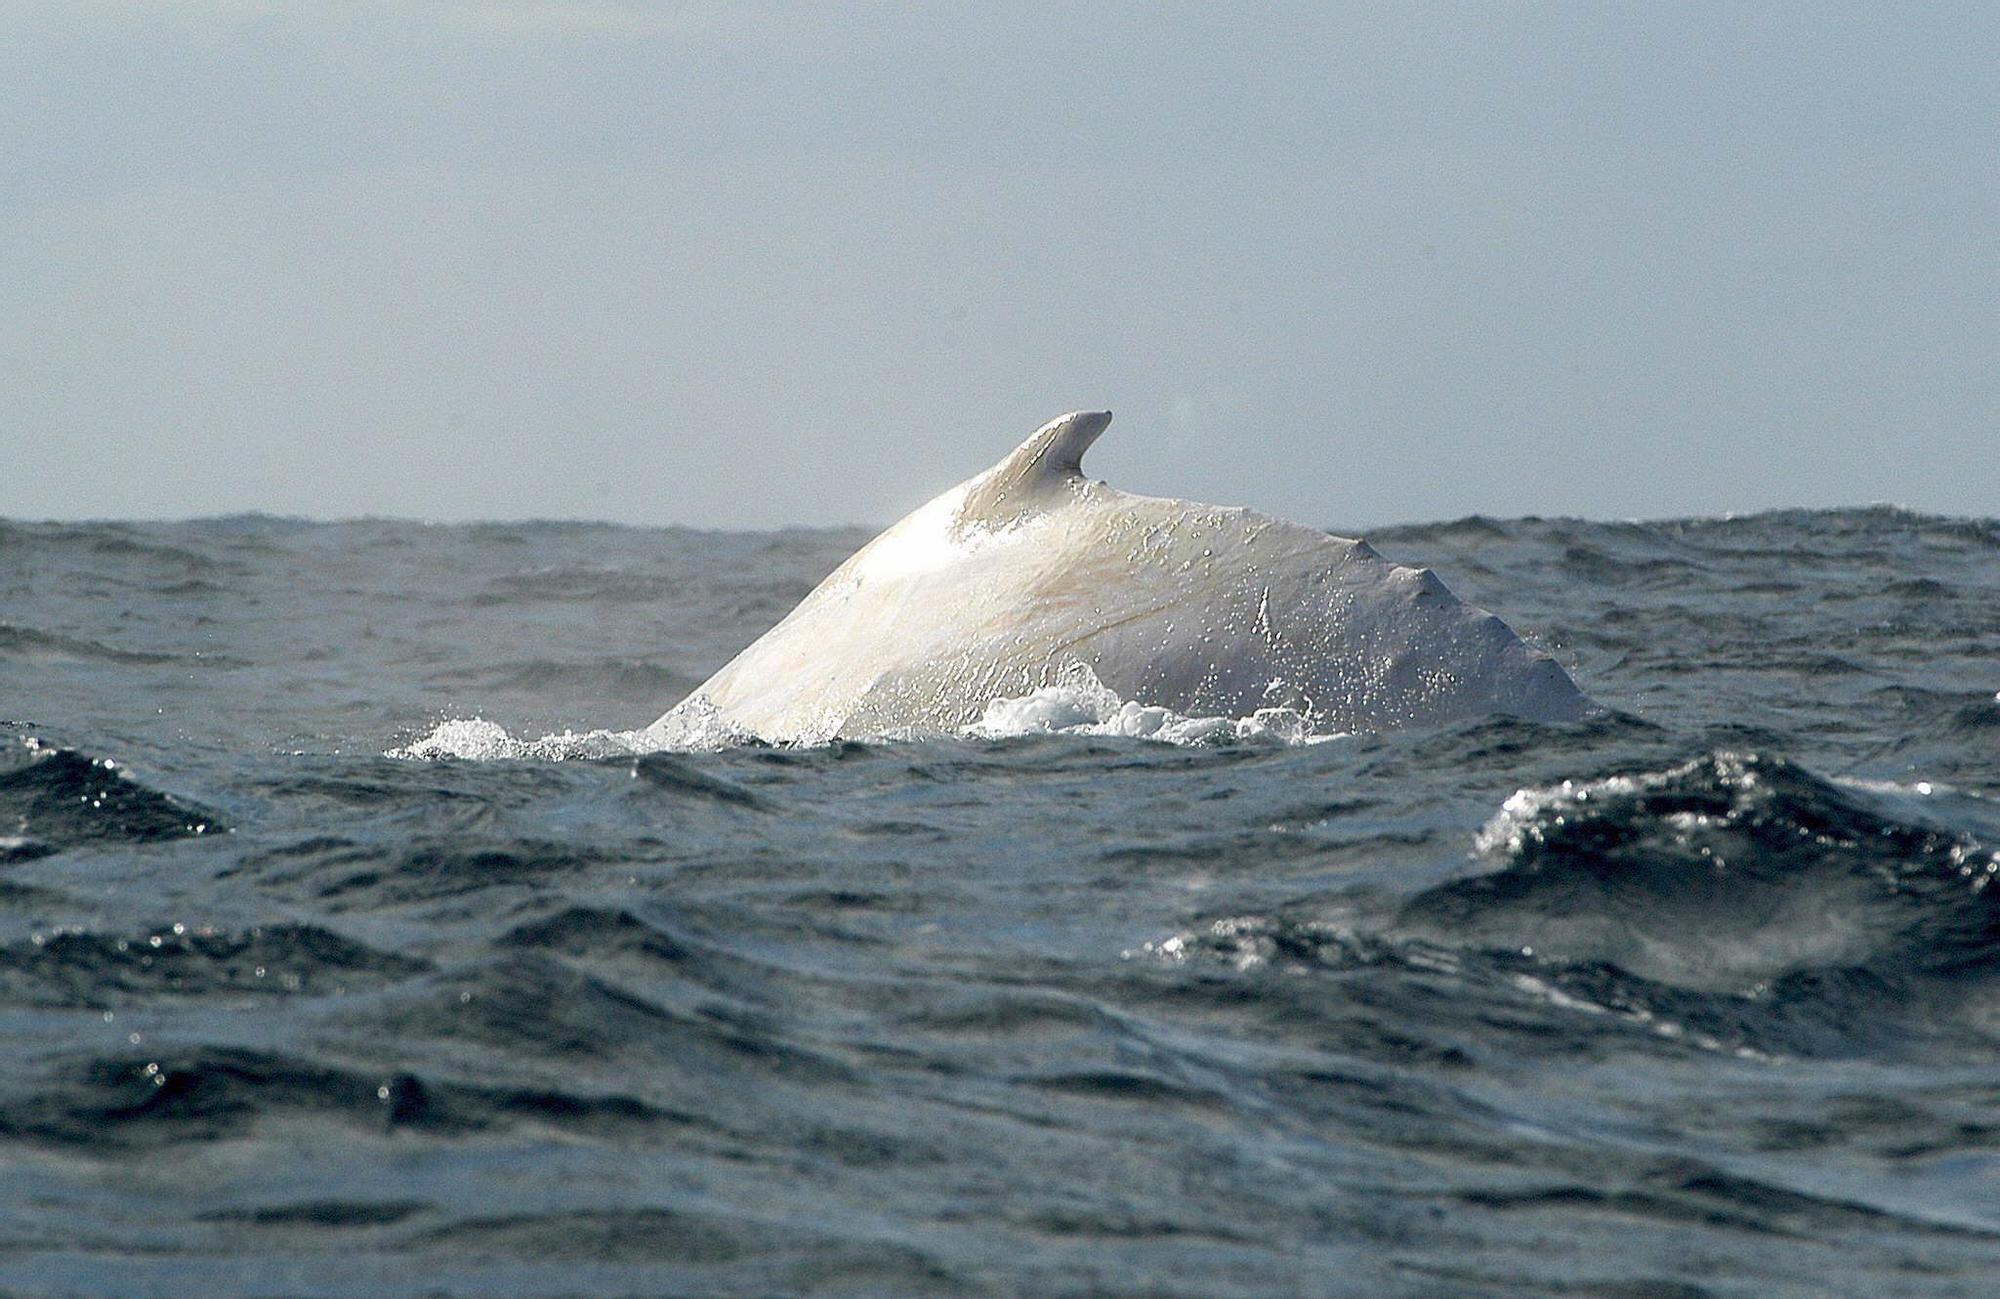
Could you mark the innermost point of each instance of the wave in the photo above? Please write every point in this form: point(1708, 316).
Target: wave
point(30, 645)
point(58, 798)
point(172, 1096)
point(618, 676)
point(1730, 871)
point(74, 967)
point(1737, 903)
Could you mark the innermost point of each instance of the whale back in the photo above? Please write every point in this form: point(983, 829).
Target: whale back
point(1010, 580)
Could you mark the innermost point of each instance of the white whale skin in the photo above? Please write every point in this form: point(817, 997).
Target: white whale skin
point(1005, 583)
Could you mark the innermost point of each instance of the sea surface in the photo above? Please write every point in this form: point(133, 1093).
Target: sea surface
point(354, 943)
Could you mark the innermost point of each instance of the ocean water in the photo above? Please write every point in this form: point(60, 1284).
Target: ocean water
point(350, 945)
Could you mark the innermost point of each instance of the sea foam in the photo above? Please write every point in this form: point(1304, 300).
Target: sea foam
point(1077, 703)
point(693, 729)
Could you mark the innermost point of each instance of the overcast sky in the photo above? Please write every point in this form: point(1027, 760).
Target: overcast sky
point(746, 265)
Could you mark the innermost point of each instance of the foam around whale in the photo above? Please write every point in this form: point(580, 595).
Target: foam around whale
point(1016, 578)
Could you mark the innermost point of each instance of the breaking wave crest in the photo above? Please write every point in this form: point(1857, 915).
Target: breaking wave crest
point(1731, 871)
point(1737, 903)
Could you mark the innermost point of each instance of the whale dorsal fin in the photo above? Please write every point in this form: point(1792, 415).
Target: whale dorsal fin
point(1048, 461)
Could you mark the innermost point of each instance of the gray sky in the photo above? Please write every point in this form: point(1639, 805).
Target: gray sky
point(746, 265)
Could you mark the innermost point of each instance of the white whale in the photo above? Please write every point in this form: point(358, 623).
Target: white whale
point(1022, 576)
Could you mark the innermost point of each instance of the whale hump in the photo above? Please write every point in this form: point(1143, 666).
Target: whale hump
point(1037, 472)
point(1028, 573)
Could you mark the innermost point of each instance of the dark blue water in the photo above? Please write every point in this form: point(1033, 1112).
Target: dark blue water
point(1698, 998)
